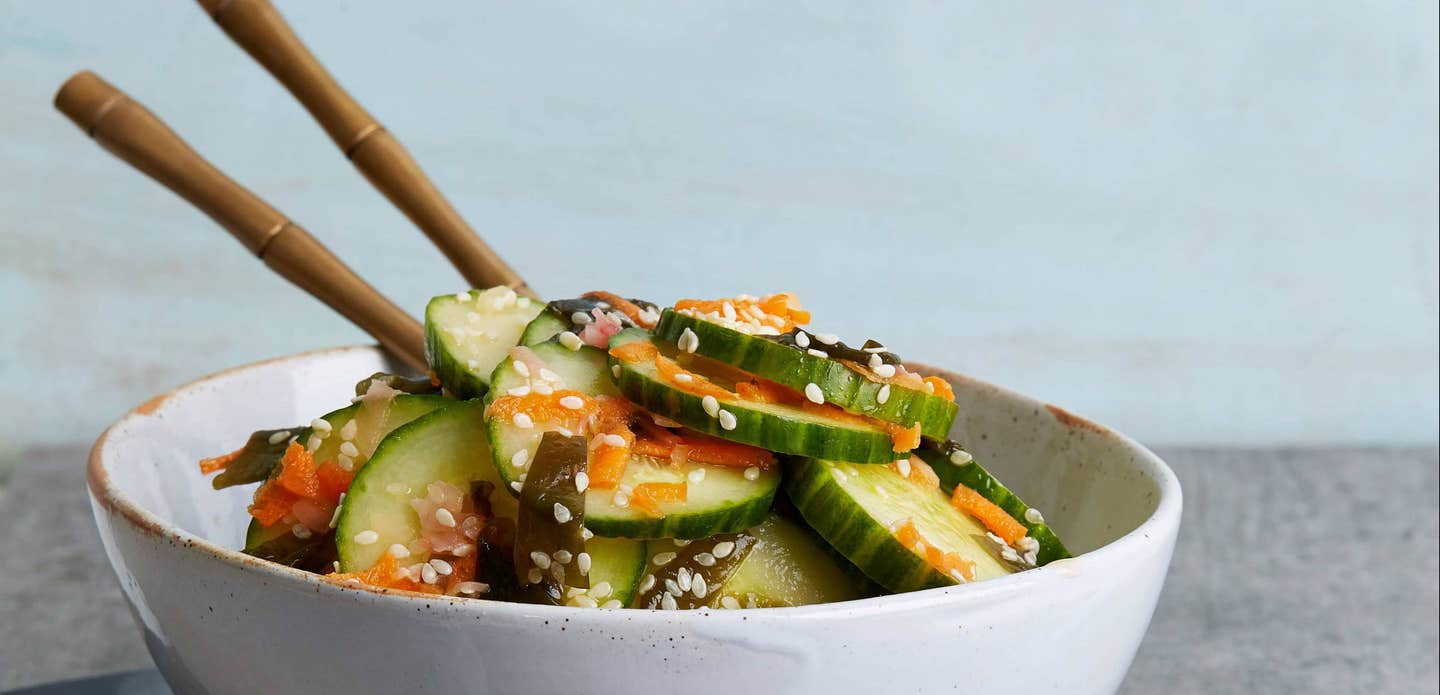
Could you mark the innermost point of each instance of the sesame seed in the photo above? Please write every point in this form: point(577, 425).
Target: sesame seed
point(1028, 544)
point(522, 421)
point(614, 440)
point(349, 449)
point(662, 558)
point(667, 602)
point(586, 534)
point(696, 475)
point(535, 575)
point(875, 360)
point(445, 518)
point(814, 394)
point(519, 391)
point(582, 481)
point(572, 402)
point(688, 341)
point(300, 531)
point(313, 442)
point(472, 587)
point(705, 559)
point(321, 426)
point(442, 567)
point(580, 318)
point(615, 370)
point(1033, 516)
point(801, 339)
point(672, 587)
point(817, 353)
point(729, 603)
point(520, 458)
point(727, 310)
point(584, 602)
point(540, 559)
point(428, 574)
point(335, 517)
point(612, 603)
point(961, 457)
point(335, 564)
point(582, 563)
point(664, 421)
point(462, 296)
point(463, 550)
point(727, 420)
point(621, 499)
point(562, 556)
point(957, 575)
point(885, 371)
point(684, 377)
point(399, 551)
point(570, 340)
point(647, 583)
point(883, 394)
point(472, 365)
point(827, 338)
point(562, 514)
point(903, 465)
point(542, 389)
point(723, 549)
point(520, 368)
point(600, 590)
point(347, 430)
point(366, 537)
point(699, 587)
point(515, 485)
point(1010, 554)
point(681, 542)
point(711, 406)
point(752, 473)
point(683, 578)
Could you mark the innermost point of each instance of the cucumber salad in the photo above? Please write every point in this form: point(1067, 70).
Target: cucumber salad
point(609, 452)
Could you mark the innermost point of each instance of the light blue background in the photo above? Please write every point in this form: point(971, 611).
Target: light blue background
point(1197, 222)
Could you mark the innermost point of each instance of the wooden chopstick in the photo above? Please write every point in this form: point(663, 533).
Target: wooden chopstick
point(258, 28)
point(131, 132)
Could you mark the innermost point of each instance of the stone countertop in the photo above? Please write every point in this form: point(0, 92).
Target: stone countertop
point(1298, 570)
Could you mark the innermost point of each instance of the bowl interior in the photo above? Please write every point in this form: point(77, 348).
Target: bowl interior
point(1092, 485)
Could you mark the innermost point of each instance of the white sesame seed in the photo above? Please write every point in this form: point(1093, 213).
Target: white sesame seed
point(520, 368)
point(883, 395)
point(345, 462)
point(647, 583)
point(582, 481)
point(903, 465)
point(672, 587)
point(366, 537)
point(729, 603)
point(1033, 516)
point(300, 531)
point(442, 567)
point(621, 499)
point(321, 426)
point(542, 389)
point(711, 406)
point(662, 558)
point(347, 430)
point(335, 517)
point(445, 518)
point(961, 457)
point(586, 534)
point(535, 575)
point(520, 458)
point(462, 296)
point(682, 579)
point(885, 371)
point(612, 603)
point(562, 556)
point(684, 377)
point(562, 514)
point(349, 449)
point(515, 485)
point(614, 440)
point(335, 564)
point(580, 318)
point(615, 370)
point(428, 574)
point(705, 559)
point(572, 402)
point(522, 421)
point(688, 342)
point(540, 559)
point(518, 391)
point(817, 353)
point(550, 376)
point(582, 563)
point(472, 587)
point(801, 339)
point(827, 338)
point(1028, 544)
point(752, 473)
point(570, 340)
point(313, 442)
point(699, 587)
point(814, 394)
point(1010, 555)
point(600, 590)
point(957, 575)
point(696, 475)
point(723, 549)
point(681, 542)
point(462, 550)
point(727, 420)
point(667, 602)
point(727, 310)
point(875, 360)
point(584, 602)
point(399, 551)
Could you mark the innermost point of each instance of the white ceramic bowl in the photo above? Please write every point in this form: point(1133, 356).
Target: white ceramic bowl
point(217, 621)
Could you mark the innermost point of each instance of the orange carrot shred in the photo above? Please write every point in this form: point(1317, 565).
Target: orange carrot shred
point(648, 496)
point(638, 351)
point(272, 502)
point(334, 480)
point(942, 387)
point(606, 462)
point(995, 519)
point(910, 537)
point(674, 375)
point(297, 472)
point(622, 305)
point(218, 463)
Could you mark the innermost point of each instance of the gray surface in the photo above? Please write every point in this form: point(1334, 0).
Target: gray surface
point(1297, 571)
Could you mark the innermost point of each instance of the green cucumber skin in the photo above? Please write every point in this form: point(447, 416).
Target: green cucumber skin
point(975, 477)
point(796, 369)
point(754, 427)
point(689, 526)
point(460, 380)
point(857, 536)
point(544, 327)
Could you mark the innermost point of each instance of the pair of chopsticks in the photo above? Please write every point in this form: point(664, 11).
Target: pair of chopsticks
point(131, 132)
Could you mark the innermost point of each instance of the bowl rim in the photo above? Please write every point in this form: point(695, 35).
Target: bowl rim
point(1161, 524)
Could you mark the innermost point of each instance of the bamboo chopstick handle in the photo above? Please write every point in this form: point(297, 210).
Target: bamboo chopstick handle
point(260, 29)
point(129, 131)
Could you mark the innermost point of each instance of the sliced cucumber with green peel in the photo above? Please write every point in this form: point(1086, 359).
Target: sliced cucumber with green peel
point(855, 508)
point(545, 326)
point(789, 566)
point(561, 314)
point(723, 500)
point(446, 445)
point(955, 466)
point(797, 368)
point(779, 428)
point(468, 333)
point(615, 568)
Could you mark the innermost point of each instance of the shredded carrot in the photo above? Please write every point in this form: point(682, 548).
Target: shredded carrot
point(765, 391)
point(916, 471)
point(648, 496)
point(385, 573)
point(272, 502)
point(910, 537)
point(995, 519)
point(218, 463)
point(622, 305)
point(942, 387)
point(653, 448)
point(675, 375)
point(334, 480)
point(606, 462)
point(462, 569)
point(904, 438)
point(297, 472)
point(546, 408)
point(719, 452)
point(638, 351)
point(780, 311)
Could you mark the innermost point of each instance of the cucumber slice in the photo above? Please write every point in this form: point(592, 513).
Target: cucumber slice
point(854, 509)
point(467, 334)
point(955, 466)
point(447, 445)
point(790, 365)
point(789, 566)
point(779, 428)
point(560, 315)
point(402, 409)
point(545, 326)
point(615, 568)
point(723, 500)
